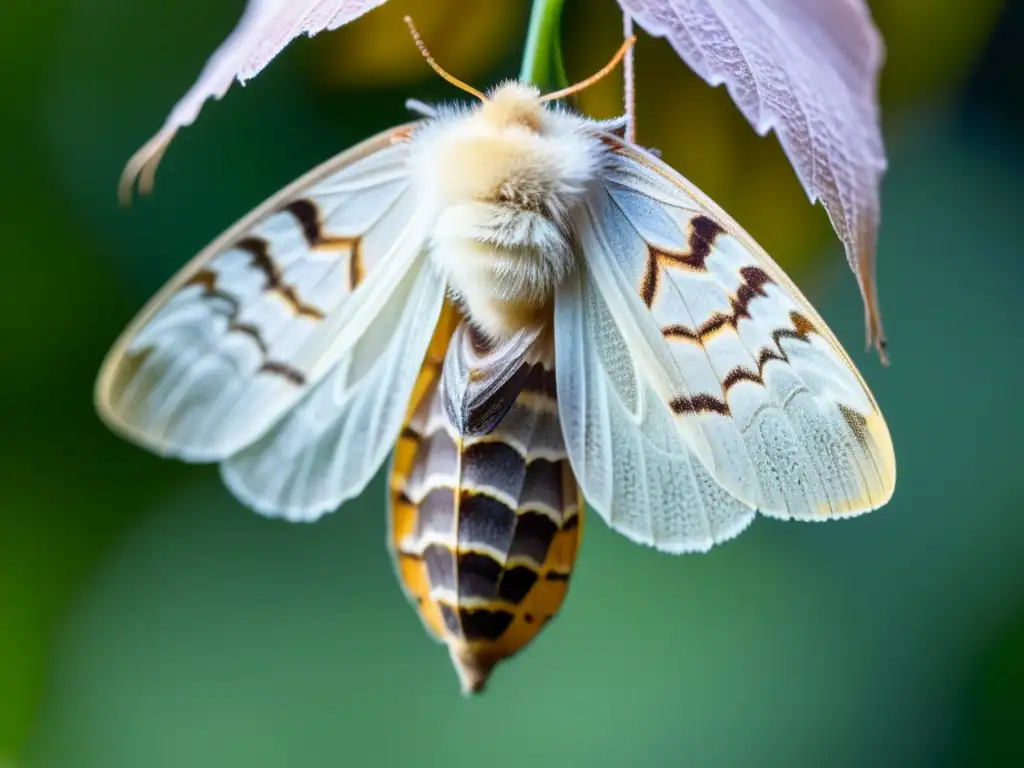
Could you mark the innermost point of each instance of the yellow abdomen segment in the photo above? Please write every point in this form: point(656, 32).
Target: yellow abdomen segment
point(484, 529)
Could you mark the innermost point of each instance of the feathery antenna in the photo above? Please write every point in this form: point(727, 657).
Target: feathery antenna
point(601, 73)
point(437, 67)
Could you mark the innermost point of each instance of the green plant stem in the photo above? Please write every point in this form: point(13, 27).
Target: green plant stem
point(542, 57)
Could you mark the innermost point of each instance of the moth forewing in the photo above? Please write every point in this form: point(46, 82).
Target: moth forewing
point(677, 181)
point(261, 297)
point(874, 424)
point(754, 376)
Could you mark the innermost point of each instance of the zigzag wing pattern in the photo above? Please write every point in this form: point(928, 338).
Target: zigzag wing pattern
point(261, 315)
point(757, 385)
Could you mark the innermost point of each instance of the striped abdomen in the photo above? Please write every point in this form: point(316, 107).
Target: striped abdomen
point(485, 528)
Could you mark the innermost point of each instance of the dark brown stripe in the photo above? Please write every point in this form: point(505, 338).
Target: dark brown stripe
point(207, 278)
point(258, 250)
point(516, 583)
point(285, 371)
point(556, 576)
point(542, 484)
point(409, 433)
point(493, 464)
point(252, 332)
point(703, 231)
point(484, 624)
point(699, 404)
point(649, 285)
point(355, 265)
point(681, 332)
point(802, 328)
point(739, 373)
point(533, 535)
point(485, 522)
point(478, 576)
point(754, 280)
point(308, 216)
point(857, 423)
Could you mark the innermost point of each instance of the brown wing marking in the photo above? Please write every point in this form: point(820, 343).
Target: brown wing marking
point(207, 280)
point(259, 250)
point(308, 215)
point(703, 231)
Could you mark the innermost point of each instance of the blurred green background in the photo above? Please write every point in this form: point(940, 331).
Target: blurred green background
point(148, 620)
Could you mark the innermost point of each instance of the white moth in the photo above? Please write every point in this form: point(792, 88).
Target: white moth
point(691, 383)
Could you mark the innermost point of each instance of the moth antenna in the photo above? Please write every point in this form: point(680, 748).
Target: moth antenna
point(437, 67)
point(629, 80)
point(601, 73)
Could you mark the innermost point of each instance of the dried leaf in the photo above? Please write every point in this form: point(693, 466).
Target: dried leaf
point(265, 28)
point(808, 70)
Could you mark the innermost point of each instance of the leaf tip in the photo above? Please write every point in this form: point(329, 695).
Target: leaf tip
point(873, 330)
point(142, 166)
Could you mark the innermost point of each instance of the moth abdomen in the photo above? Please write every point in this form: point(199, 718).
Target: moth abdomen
point(485, 528)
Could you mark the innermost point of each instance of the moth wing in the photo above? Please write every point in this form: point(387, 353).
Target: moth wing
point(758, 387)
point(259, 317)
point(331, 443)
point(628, 454)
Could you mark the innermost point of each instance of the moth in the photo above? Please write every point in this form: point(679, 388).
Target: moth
point(526, 311)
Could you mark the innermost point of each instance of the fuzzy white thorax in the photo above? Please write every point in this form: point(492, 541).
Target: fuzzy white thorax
point(501, 180)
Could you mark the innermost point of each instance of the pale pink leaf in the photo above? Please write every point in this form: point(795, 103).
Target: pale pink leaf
point(808, 70)
point(265, 28)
